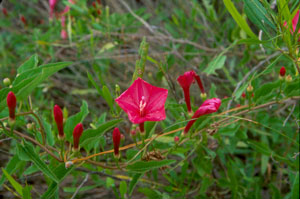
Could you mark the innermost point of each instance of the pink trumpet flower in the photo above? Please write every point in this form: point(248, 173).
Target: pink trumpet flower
point(52, 4)
point(295, 21)
point(143, 102)
point(208, 106)
point(185, 81)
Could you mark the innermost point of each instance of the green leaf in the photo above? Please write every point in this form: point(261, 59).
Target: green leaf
point(11, 166)
point(107, 97)
point(123, 188)
point(269, 68)
point(142, 166)
point(283, 8)
point(264, 164)
point(75, 119)
point(26, 192)
point(29, 80)
point(295, 188)
point(266, 89)
point(51, 191)
point(134, 181)
point(215, 64)
point(61, 171)
point(35, 158)
point(12, 181)
point(238, 18)
point(31, 63)
point(94, 84)
point(94, 134)
point(251, 41)
point(260, 147)
point(258, 15)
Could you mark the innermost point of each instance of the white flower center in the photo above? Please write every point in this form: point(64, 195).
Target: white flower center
point(142, 106)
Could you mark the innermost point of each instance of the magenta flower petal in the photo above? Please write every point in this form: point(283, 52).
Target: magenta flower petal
point(143, 102)
point(186, 79)
point(208, 106)
point(295, 21)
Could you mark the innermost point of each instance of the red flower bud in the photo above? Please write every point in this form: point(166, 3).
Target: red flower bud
point(76, 136)
point(5, 12)
point(176, 139)
point(94, 4)
point(23, 19)
point(59, 120)
point(116, 140)
point(238, 105)
point(282, 71)
point(11, 104)
point(243, 95)
point(99, 11)
point(99, 2)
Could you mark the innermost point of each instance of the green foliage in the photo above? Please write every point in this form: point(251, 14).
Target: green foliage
point(248, 149)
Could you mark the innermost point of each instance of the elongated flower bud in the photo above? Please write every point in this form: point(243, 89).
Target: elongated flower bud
point(208, 106)
point(11, 104)
point(59, 120)
point(23, 19)
point(76, 136)
point(4, 11)
point(116, 140)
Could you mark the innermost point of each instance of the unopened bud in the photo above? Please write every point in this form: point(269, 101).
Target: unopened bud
point(250, 88)
point(282, 71)
point(243, 95)
point(203, 96)
point(30, 126)
point(288, 78)
point(68, 164)
point(176, 139)
point(117, 90)
point(6, 81)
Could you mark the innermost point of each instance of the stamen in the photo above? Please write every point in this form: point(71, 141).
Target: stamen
point(142, 106)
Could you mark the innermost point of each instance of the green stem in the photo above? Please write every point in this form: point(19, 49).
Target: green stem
point(280, 88)
point(62, 149)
